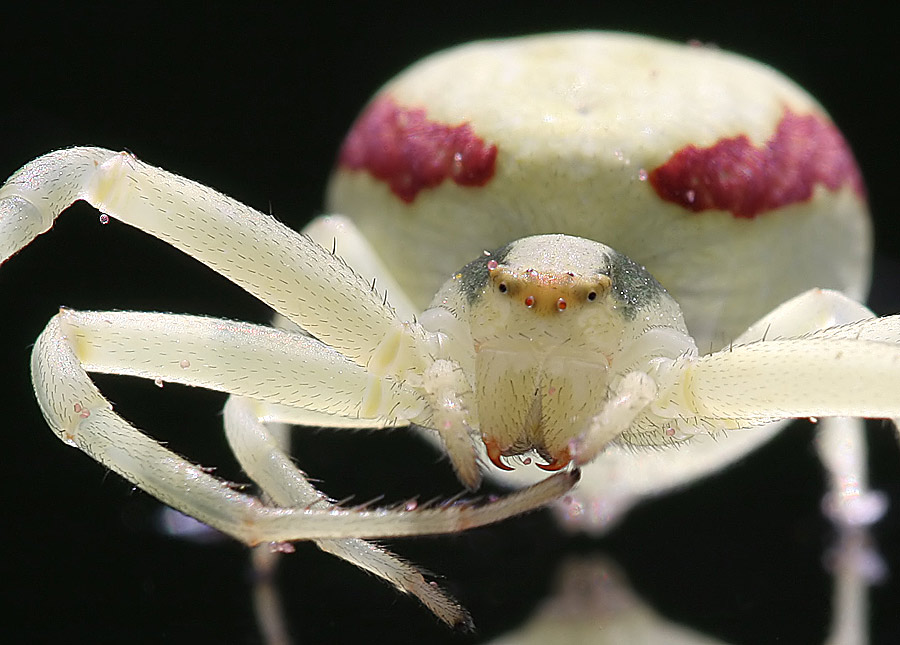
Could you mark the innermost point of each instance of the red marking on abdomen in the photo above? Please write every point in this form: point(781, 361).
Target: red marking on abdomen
point(734, 175)
point(402, 147)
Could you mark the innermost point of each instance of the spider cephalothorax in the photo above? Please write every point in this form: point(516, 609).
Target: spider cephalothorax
point(546, 323)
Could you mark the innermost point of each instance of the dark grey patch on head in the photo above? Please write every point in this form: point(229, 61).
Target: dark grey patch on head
point(632, 284)
point(475, 275)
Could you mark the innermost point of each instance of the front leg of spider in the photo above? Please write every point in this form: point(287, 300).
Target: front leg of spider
point(362, 355)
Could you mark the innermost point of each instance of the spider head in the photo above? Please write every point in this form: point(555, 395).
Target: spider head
point(542, 326)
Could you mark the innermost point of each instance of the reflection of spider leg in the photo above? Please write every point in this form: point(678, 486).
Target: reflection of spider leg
point(855, 564)
point(267, 604)
point(854, 560)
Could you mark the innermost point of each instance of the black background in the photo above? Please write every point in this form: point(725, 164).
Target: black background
point(255, 104)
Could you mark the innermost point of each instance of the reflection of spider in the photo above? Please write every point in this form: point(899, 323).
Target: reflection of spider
point(699, 165)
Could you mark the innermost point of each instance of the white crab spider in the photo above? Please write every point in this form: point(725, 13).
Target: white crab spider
point(550, 343)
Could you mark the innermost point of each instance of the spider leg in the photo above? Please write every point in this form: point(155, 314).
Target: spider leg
point(80, 415)
point(239, 358)
point(620, 476)
point(840, 441)
point(813, 310)
point(847, 370)
point(306, 283)
point(264, 459)
point(446, 387)
point(339, 233)
point(841, 445)
point(818, 355)
point(626, 401)
point(288, 271)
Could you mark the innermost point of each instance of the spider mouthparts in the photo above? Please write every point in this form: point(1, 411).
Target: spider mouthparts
point(495, 454)
point(555, 464)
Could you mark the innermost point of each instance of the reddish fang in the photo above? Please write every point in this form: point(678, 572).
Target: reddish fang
point(736, 176)
point(557, 463)
point(494, 453)
point(402, 147)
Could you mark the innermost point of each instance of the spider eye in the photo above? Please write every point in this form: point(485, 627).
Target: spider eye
point(502, 287)
point(592, 296)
